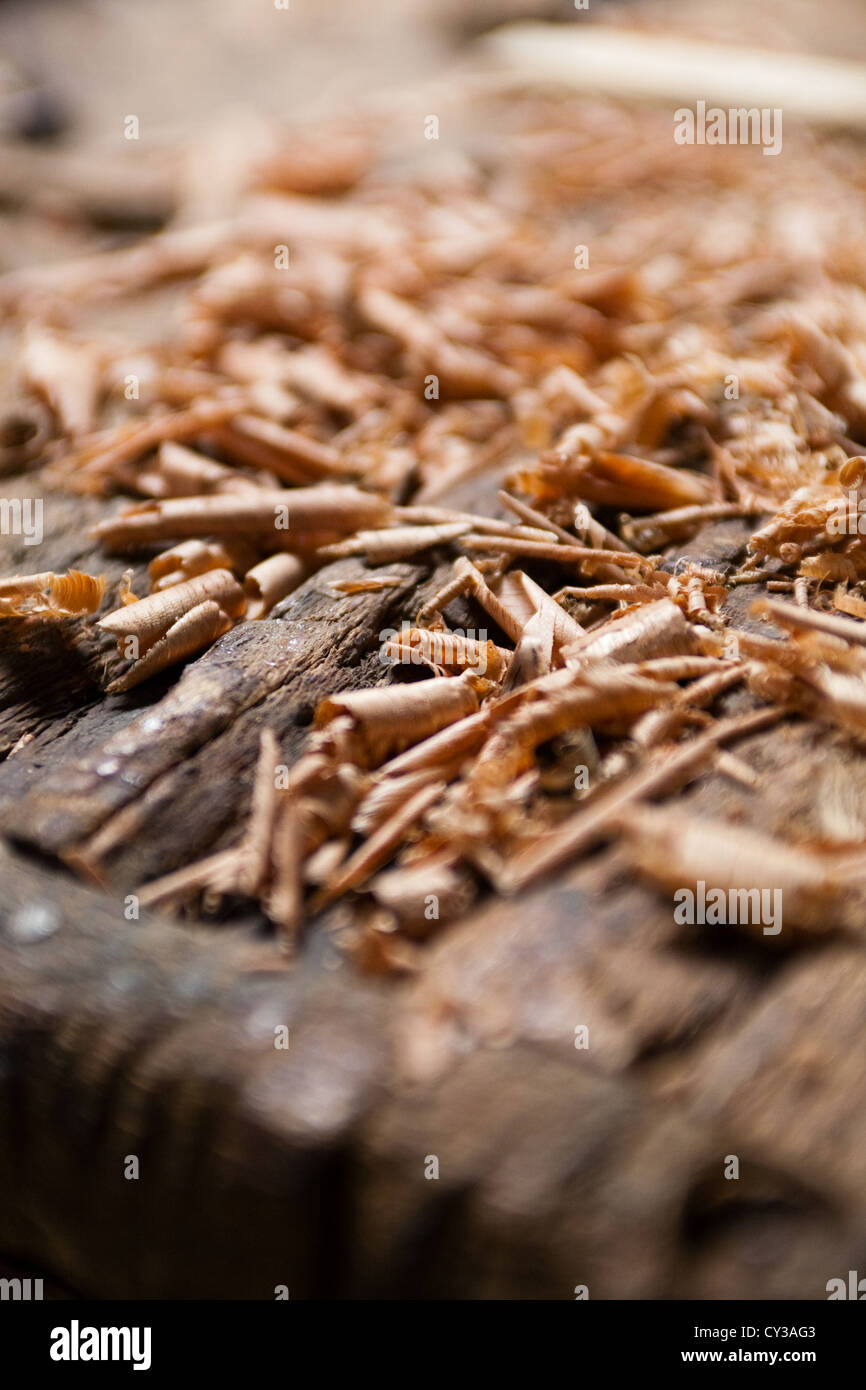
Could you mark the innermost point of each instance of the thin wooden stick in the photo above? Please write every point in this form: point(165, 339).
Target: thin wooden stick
point(667, 772)
point(650, 67)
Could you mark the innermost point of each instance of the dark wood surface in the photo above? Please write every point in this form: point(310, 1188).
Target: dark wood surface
point(306, 1166)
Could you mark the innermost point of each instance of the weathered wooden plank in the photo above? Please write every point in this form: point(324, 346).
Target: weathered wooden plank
point(308, 1167)
point(314, 642)
point(148, 1040)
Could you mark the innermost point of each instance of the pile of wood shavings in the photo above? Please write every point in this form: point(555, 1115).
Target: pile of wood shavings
point(709, 366)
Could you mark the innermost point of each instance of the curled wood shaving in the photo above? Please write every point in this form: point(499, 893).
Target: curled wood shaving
point(182, 472)
point(428, 345)
point(447, 651)
point(652, 532)
point(189, 558)
point(653, 629)
point(283, 899)
point(616, 480)
point(374, 723)
point(269, 581)
point(196, 629)
point(92, 466)
point(287, 453)
point(254, 851)
point(281, 517)
point(395, 543)
point(810, 620)
point(67, 375)
point(675, 849)
point(607, 698)
point(50, 595)
point(151, 618)
point(585, 556)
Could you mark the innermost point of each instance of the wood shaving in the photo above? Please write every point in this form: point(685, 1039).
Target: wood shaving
point(197, 628)
point(269, 581)
point(50, 595)
point(579, 498)
point(150, 618)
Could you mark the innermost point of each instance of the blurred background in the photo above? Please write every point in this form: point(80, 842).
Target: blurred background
point(70, 67)
point(206, 78)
